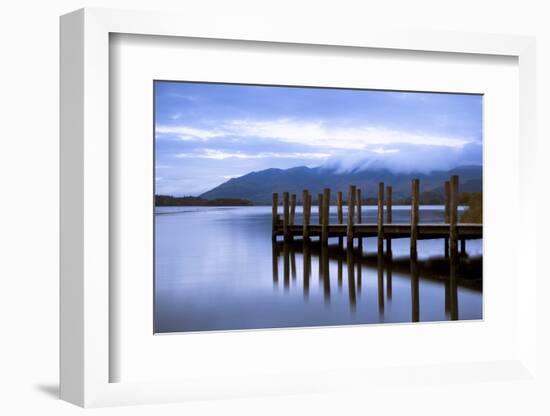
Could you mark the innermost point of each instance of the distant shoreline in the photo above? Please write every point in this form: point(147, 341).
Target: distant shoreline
point(192, 201)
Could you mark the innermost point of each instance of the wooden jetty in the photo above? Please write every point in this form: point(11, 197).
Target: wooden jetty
point(384, 229)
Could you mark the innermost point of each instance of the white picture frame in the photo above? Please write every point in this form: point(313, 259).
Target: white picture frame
point(85, 207)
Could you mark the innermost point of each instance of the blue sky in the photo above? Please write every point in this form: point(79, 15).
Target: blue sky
point(206, 134)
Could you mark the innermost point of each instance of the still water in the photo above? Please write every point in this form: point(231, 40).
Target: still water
point(216, 268)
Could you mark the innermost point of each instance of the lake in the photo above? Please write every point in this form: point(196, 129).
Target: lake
point(216, 268)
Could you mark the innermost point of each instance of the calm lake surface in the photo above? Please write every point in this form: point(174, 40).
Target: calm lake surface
point(216, 268)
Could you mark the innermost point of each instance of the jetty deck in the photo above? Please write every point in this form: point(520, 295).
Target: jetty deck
point(393, 231)
point(451, 230)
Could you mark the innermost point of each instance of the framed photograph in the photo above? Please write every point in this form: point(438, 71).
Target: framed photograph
point(270, 212)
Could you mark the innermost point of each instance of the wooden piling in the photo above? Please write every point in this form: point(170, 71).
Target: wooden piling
point(292, 209)
point(286, 217)
point(359, 217)
point(340, 216)
point(351, 215)
point(359, 207)
point(320, 208)
point(389, 218)
point(415, 191)
point(453, 216)
point(306, 214)
point(447, 213)
point(274, 215)
point(326, 216)
point(380, 218)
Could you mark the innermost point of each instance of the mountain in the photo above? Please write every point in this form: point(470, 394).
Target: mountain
point(259, 186)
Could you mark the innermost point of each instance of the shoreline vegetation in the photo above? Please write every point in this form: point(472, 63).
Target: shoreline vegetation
point(473, 200)
point(195, 201)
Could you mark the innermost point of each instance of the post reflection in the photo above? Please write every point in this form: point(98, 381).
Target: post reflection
point(275, 261)
point(286, 266)
point(351, 279)
point(340, 272)
point(325, 274)
point(307, 269)
point(366, 272)
point(389, 271)
point(453, 286)
point(380, 281)
point(293, 263)
point(415, 295)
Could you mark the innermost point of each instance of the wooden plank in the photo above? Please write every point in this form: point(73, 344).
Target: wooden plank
point(274, 215)
point(326, 215)
point(286, 216)
point(351, 205)
point(389, 214)
point(292, 209)
point(380, 218)
point(415, 191)
point(306, 207)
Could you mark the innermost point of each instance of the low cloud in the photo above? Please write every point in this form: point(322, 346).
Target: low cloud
point(221, 155)
point(406, 158)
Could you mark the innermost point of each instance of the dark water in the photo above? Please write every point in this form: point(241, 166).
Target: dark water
point(217, 269)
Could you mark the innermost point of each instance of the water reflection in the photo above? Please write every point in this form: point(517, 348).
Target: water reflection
point(374, 274)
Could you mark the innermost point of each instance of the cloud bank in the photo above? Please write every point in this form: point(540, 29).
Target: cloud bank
point(311, 133)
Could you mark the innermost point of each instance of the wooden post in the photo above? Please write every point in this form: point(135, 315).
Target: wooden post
point(326, 213)
point(359, 213)
point(389, 218)
point(415, 191)
point(462, 247)
point(447, 213)
point(380, 218)
point(274, 215)
point(340, 216)
point(320, 208)
point(286, 217)
point(359, 220)
point(292, 208)
point(351, 205)
point(306, 208)
point(453, 216)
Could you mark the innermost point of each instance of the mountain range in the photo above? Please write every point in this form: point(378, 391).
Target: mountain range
point(259, 186)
